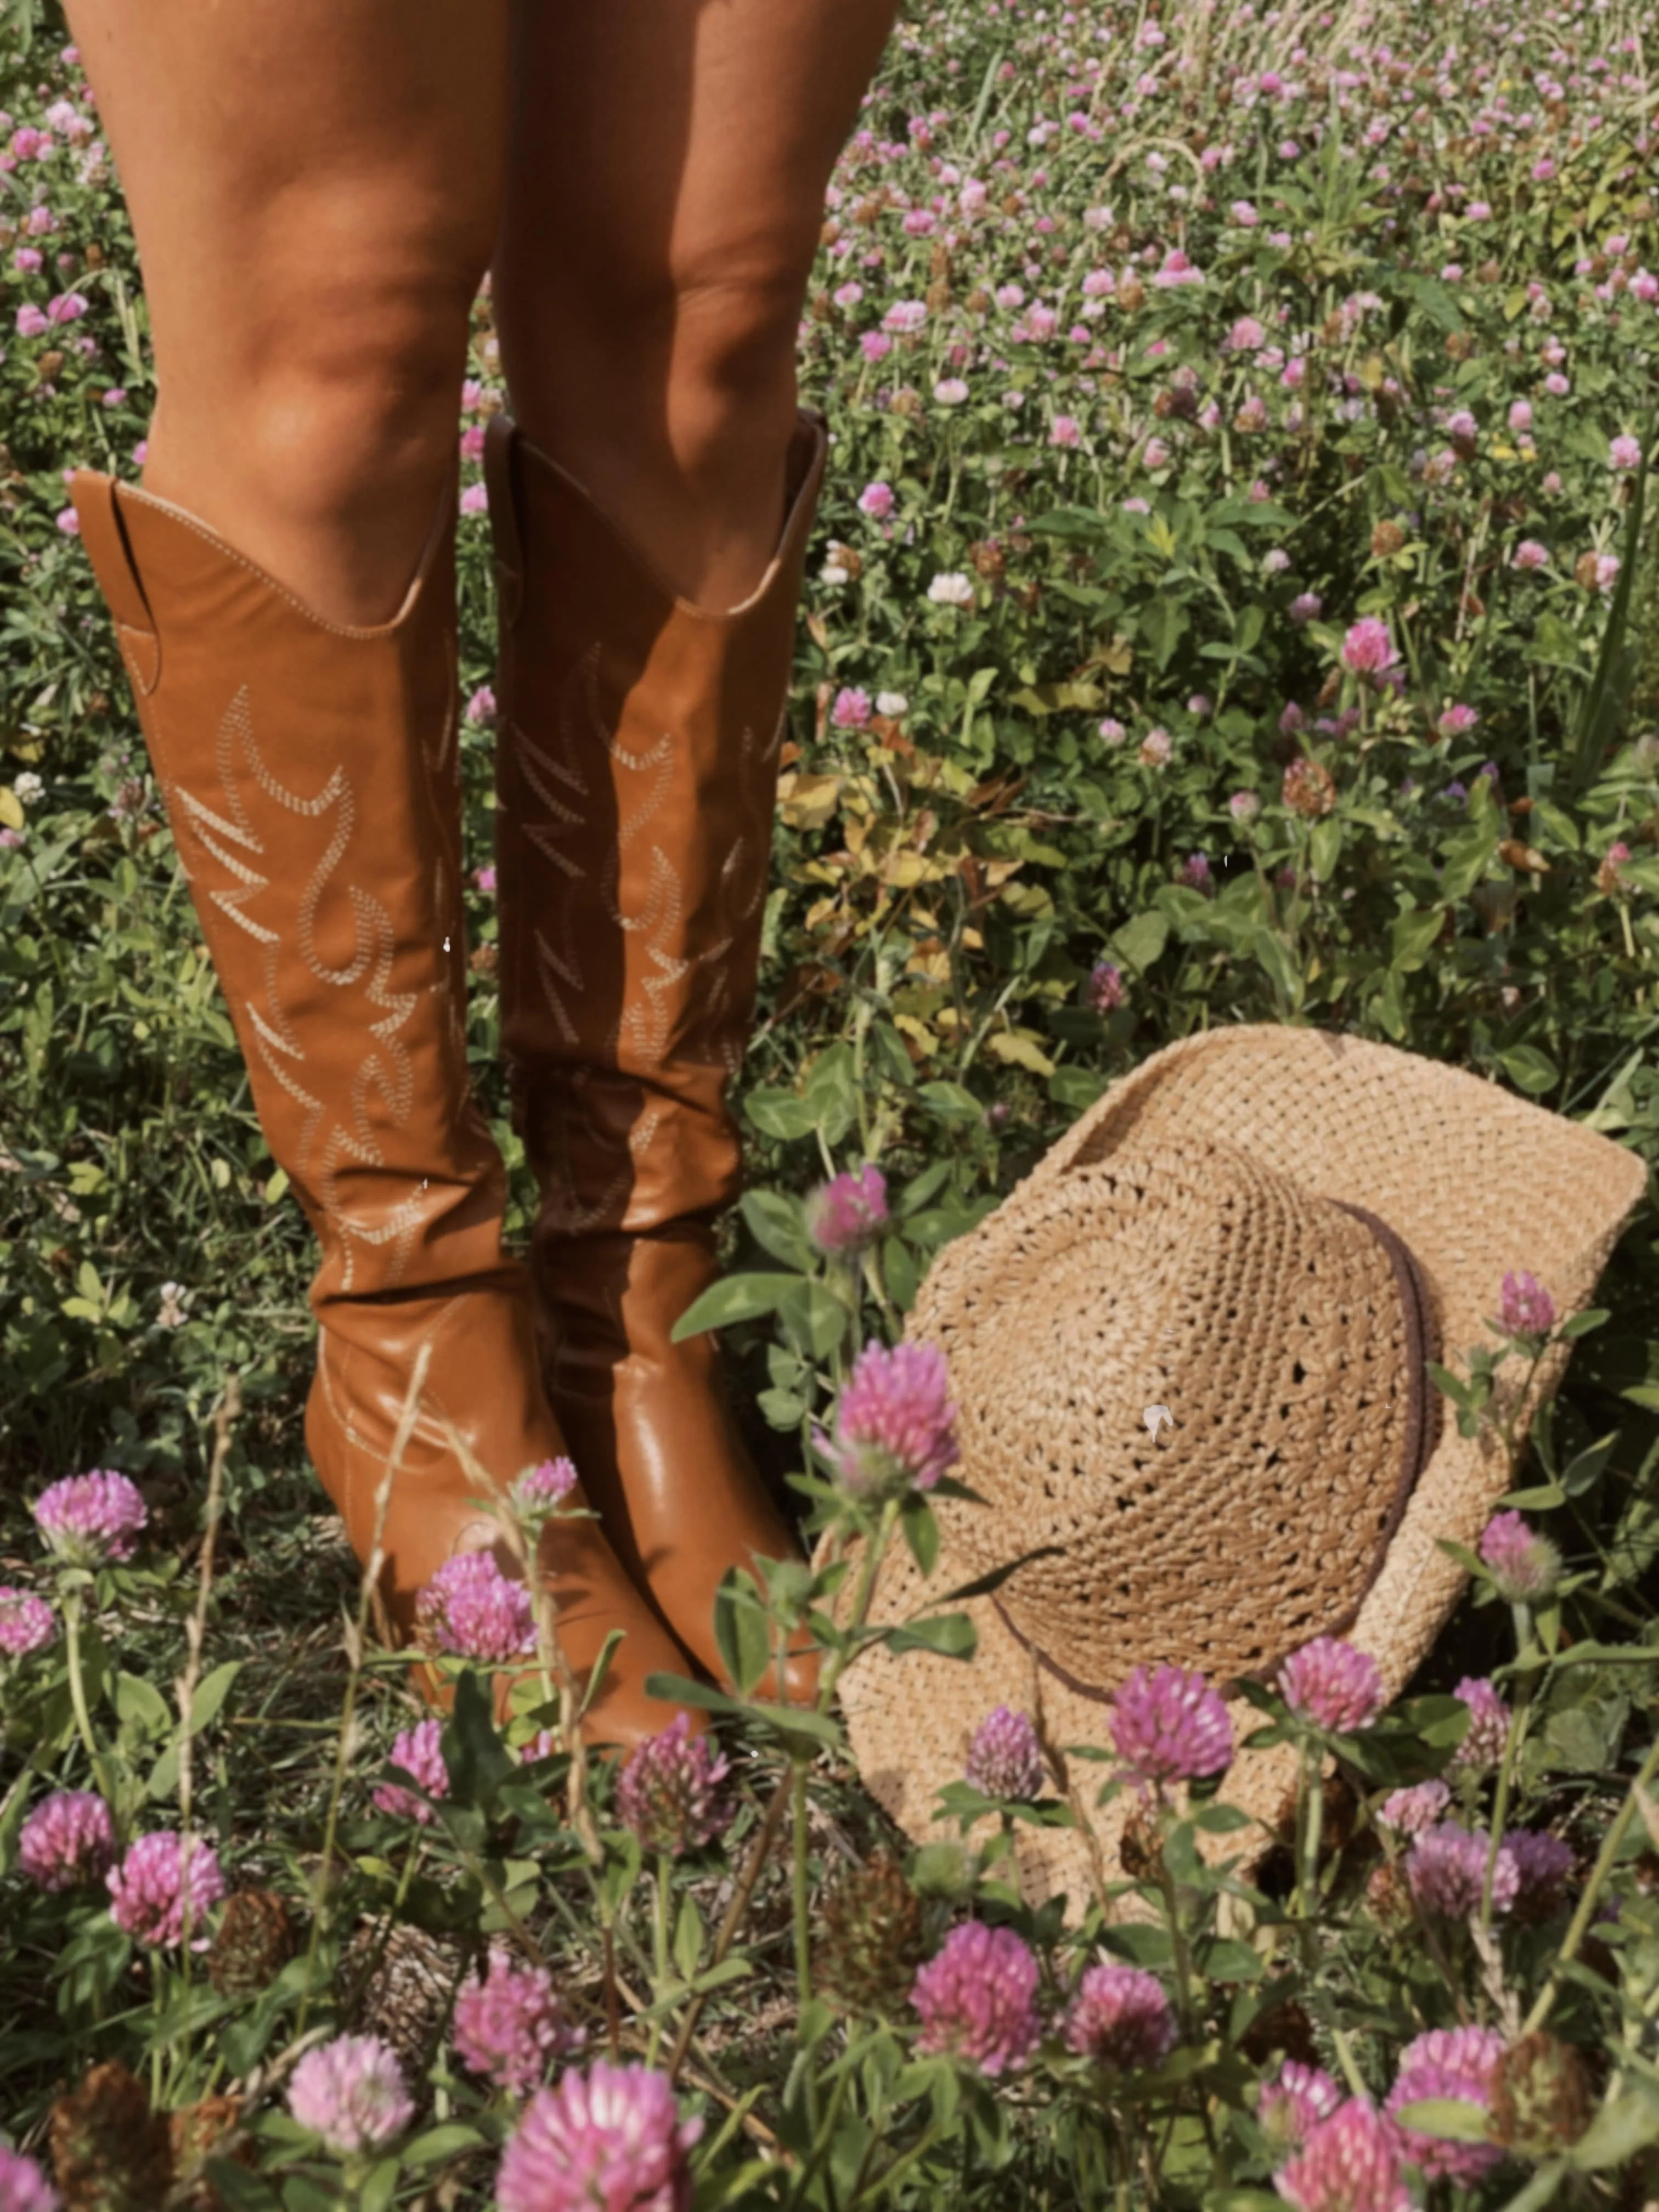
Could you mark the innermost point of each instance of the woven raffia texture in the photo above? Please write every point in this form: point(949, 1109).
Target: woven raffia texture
point(1172, 1250)
point(1195, 1279)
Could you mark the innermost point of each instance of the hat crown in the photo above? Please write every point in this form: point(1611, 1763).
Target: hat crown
point(1273, 1326)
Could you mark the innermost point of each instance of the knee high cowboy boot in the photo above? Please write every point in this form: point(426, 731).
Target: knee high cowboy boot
point(636, 767)
point(311, 780)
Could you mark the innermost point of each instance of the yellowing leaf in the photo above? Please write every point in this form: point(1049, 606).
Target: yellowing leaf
point(1059, 698)
point(1019, 1049)
point(907, 866)
point(806, 802)
point(11, 808)
point(1028, 900)
point(1117, 658)
point(932, 967)
point(912, 1027)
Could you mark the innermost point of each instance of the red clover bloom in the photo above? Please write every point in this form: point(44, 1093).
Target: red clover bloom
point(1170, 1726)
point(1005, 1759)
point(540, 1492)
point(91, 1520)
point(1334, 1684)
point(68, 1839)
point(1120, 2017)
point(1454, 2063)
point(1525, 1306)
point(28, 1623)
point(1369, 647)
point(470, 1608)
point(351, 2092)
point(510, 2025)
point(1106, 989)
point(849, 1212)
point(1525, 1565)
point(609, 2140)
point(1412, 1812)
point(1292, 2107)
point(895, 1426)
point(670, 1792)
point(1543, 1864)
point(1348, 2163)
point(1446, 1871)
point(977, 1999)
point(147, 1890)
point(419, 1752)
point(23, 2187)
point(1489, 1724)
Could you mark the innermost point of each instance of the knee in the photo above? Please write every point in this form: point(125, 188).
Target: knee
point(336, 385)
point(734, 341)
point(358, 399)
point(707, 348)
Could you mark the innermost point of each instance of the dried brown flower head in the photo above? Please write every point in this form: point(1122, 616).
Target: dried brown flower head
point(870, 1943)
point(1541, 2097)
point(110, 2152)
point(1310, 789)
point(254, 1943)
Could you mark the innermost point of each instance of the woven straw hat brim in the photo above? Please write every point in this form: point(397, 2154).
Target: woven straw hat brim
point(1472, 1180)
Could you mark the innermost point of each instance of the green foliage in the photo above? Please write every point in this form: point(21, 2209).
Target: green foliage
point(1077, 767)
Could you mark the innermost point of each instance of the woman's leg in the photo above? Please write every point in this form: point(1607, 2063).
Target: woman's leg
point(667, 174)
point(315, 185)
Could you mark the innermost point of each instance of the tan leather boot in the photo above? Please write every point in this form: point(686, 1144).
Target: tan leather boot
point(311, 780)
point(636, 771)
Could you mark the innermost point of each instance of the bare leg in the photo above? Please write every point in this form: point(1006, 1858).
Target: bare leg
point(315, 185)
point(666, 169)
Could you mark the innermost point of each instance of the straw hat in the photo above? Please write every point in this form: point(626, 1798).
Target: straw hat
point(1266, 1231)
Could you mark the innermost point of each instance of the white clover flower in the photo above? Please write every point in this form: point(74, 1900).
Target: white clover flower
point(951, 590)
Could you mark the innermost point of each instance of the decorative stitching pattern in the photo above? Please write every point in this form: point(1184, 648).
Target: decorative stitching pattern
point(231, 839)
point(557, 784)
point(707, 1041)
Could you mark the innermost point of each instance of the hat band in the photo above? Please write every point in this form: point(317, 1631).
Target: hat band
point(1422, 1424)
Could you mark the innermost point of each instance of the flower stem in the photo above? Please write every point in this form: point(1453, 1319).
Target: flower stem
point(869, 1566)
point(1307, 1888)
point(1180, 1952)
point(1605, 1858)
point(659, 1949)
point(759, 1853)
point(77, 1690)
point(803, 1920)
point(1506, 1766)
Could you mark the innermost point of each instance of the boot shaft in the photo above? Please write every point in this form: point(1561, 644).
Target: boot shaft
point(637, 759)
point(311, 777)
